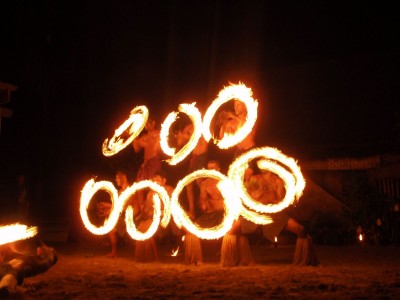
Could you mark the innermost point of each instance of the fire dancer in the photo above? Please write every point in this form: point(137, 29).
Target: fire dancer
point(229, 122)
point(211, 205)
point(144, 249)
point(104, 209)
point(20, 266)
point(273, 191)
point(198, 160)
point(149, 142)
point(235, 244)
point(268, 188)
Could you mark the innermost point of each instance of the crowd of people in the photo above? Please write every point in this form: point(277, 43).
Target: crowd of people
point(202, 199)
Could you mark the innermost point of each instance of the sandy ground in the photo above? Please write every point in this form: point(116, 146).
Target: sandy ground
point(351, 272)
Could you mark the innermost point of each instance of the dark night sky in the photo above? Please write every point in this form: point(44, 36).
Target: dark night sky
point(326, 75)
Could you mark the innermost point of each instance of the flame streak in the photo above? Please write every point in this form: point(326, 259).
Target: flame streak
point(294, 184)
point(238, 92)
point(195, 116)
point(255, 217)
point(134, 124)
point(232, 205)
point(15, 232)
point(164, 133)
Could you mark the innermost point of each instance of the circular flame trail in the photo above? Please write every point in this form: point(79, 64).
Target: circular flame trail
point(293, 179)
point(232, 205)
point(15, 232)
point(160, 192)
point(134, 125)
point(195, 116)
point(238, 92)
point(91, 188)
point(231, 187)
point(117, 206)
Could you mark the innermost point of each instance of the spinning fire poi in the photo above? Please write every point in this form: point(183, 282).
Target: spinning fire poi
point(237, 200)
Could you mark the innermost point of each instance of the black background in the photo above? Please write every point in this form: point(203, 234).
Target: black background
point(326, 76)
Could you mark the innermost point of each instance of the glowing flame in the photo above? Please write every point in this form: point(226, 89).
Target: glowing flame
point(238, 92)
point(293, 181)
point(117, 206)
point(360, 237)
point(232, 205)
point(195, 116)
point(255, 217)
point(133, 126)
point(175, 252)
point(276, 239)
point(15, 232)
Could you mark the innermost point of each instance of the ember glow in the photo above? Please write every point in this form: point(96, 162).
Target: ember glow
point(232, 205)
point(15, 232)
point(195, 116)
point(238, 92)
point(132, 127)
